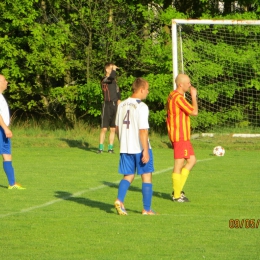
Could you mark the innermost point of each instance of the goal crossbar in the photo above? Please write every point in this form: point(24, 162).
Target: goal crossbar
point(175, 22)
point(194, 21)
point(222, 59)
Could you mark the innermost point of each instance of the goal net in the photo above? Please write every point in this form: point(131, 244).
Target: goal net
point(222, 59)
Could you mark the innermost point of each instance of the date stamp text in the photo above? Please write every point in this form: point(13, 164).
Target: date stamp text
point(244, 223)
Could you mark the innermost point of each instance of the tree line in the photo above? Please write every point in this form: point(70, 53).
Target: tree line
point(53, 51)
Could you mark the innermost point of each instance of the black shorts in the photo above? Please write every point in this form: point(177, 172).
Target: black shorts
point(108, 116)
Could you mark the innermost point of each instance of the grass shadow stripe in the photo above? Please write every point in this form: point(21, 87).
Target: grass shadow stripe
point(79, 193)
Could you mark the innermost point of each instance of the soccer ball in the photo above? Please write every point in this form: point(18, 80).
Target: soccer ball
point(219, 151)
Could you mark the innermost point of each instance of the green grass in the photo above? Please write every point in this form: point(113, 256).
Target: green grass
point(67, 210)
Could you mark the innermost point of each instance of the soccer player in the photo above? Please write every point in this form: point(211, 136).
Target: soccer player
point(135, 150)
point(178, 125)
point(112, 98)
point(5, 135)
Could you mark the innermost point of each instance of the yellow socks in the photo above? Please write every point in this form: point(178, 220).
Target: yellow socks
point(176, 184)
point(184, 175)
point(178, 181)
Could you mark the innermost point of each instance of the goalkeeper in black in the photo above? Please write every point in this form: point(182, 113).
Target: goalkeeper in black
point(112, 98)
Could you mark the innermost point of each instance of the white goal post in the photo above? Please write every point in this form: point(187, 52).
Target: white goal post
point(222, 58)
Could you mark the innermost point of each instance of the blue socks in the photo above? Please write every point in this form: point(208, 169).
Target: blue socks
point(122, 189)
point(147, 191)
point(9, 171)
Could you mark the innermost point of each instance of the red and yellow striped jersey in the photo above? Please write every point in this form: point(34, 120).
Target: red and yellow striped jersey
point(178, 120)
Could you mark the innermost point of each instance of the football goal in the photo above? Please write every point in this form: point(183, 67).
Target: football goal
point(222, 59)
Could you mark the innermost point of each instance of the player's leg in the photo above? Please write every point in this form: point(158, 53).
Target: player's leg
point(111, 139)
point(147, 191)
point(112, 111)
point(186, 170)
point(104, 126)
point(190, 162)
point(124, 186)
point(5, 150)
point(176, 177)
point(127, 168)
point(102, 139)
point(145, 170)
point(181, 153)
point(8, 169)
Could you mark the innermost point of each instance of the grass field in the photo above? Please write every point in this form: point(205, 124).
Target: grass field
point(67, 210)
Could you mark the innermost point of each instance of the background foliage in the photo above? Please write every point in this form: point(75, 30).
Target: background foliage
point(222, 62)
point(53, 52)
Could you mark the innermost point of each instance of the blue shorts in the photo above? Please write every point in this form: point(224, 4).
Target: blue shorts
point(130, 163)
point(5, 143)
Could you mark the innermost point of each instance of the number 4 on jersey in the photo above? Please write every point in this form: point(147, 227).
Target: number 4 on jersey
point(126, 119)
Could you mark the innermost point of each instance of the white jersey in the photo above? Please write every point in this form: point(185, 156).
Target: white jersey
point(132, 115)
point(4, 110)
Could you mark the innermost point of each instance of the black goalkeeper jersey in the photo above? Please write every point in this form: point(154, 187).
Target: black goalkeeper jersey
point(111, 91)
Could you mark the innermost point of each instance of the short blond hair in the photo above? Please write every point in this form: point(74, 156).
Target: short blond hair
point(139, 83)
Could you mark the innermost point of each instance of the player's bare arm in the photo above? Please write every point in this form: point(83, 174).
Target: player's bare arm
point(144, 141)
point(193, 93)
point(8, 132)
point(114, 67)
point(117, 132)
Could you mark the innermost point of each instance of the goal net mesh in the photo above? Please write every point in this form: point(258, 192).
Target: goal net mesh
point(223, 63)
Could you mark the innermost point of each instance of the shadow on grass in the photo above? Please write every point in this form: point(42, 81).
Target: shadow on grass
point(87, 202)
point(4, 187)
point(158, 194)
point(79, 144)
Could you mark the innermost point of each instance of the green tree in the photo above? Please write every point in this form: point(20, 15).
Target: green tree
point(53, 51)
